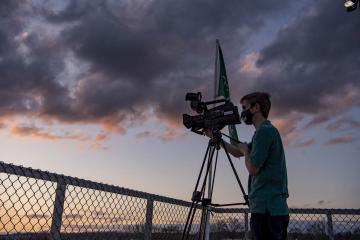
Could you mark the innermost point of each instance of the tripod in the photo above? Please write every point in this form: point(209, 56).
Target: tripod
point(198, 196)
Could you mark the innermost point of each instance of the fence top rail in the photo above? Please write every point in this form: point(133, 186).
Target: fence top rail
point(296, 211)
point(325, 211)
point(67, 180)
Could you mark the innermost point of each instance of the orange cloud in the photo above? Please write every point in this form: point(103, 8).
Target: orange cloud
point(248, 64)
point(26, 131)
point(39, 133)
point(101, 137)
point(173, 127)
point(112, 125)
point(287, 126)
point(35, 132)
point(99, 141)
point(167, 134)
point(172, 133)
point(340, 140)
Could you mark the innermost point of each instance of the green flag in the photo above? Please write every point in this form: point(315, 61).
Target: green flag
point(222, 86)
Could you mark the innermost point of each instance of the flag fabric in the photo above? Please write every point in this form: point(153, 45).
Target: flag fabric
point(222, 86)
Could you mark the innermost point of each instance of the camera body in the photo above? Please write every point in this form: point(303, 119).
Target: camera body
point(215, 118)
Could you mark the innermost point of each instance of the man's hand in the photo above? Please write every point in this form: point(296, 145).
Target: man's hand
point(244, 149)
point(208, 133)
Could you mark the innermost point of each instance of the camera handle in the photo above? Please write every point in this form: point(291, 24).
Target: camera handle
point(198, 196)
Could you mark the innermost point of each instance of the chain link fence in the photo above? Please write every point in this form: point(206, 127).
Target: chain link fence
point(40, 205)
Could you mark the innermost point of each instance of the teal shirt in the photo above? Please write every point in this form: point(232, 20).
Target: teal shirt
point(268, 189)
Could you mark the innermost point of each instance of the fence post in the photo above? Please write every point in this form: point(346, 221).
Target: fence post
point(330, 230)
point(149, 218)
point(58, 211)
point(246, 222)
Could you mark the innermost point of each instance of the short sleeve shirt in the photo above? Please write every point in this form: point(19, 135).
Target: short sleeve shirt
point(268, 189)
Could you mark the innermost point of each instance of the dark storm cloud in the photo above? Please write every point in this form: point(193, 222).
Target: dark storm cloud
point(7, 7)
point(150, 53)
point(170, 36)
point(28, 65)
point(28, 80)
point(313, 65)
point(73, 11)
point(152, 58)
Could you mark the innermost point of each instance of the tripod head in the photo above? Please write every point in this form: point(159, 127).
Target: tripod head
point(216, 138)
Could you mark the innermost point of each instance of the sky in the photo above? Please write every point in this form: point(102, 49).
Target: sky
point(96, 90)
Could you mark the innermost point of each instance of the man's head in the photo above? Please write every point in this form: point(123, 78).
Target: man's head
point(254, 104)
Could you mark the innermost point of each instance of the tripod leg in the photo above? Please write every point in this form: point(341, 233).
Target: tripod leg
point(194, 205)
point(213, 180)
point(234, 170)
point(203, 164)
point(204, 214)
point(206, 225)
point(191, 221)
point(203, 223)
point(207, 169)
point(190, 216)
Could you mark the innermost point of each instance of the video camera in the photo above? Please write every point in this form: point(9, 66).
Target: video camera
point(215, 118)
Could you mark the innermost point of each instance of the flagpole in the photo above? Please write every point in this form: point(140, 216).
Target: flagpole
point(207, 228)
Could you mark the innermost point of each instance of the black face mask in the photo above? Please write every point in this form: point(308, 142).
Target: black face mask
point(247, 116)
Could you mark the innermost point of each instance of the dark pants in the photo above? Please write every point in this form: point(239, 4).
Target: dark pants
point(265, 226)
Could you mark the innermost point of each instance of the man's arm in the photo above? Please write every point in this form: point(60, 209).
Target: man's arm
point(242, 150)
point(233, 150)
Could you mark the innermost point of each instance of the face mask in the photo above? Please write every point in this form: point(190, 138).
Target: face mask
point(247, 116)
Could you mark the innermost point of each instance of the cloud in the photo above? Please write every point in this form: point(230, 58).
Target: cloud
point(133, 61)
point(343, 123)
point(22, 131)
point(248, 64)
point(143, 135)
point(305, 143)
point(340, 140)
point(287, 126)
point(86, 140)
point(73, 11)
point(99, 142)
point(109, 62)
point(169, 133)
point(40, 133)
point(310, 68)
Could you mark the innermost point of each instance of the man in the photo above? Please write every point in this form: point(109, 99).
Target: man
point(265, 161)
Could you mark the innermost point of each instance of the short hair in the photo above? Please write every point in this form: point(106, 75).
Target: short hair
point(261, 98)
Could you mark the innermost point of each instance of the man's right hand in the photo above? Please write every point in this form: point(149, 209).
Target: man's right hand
point(208, 133)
